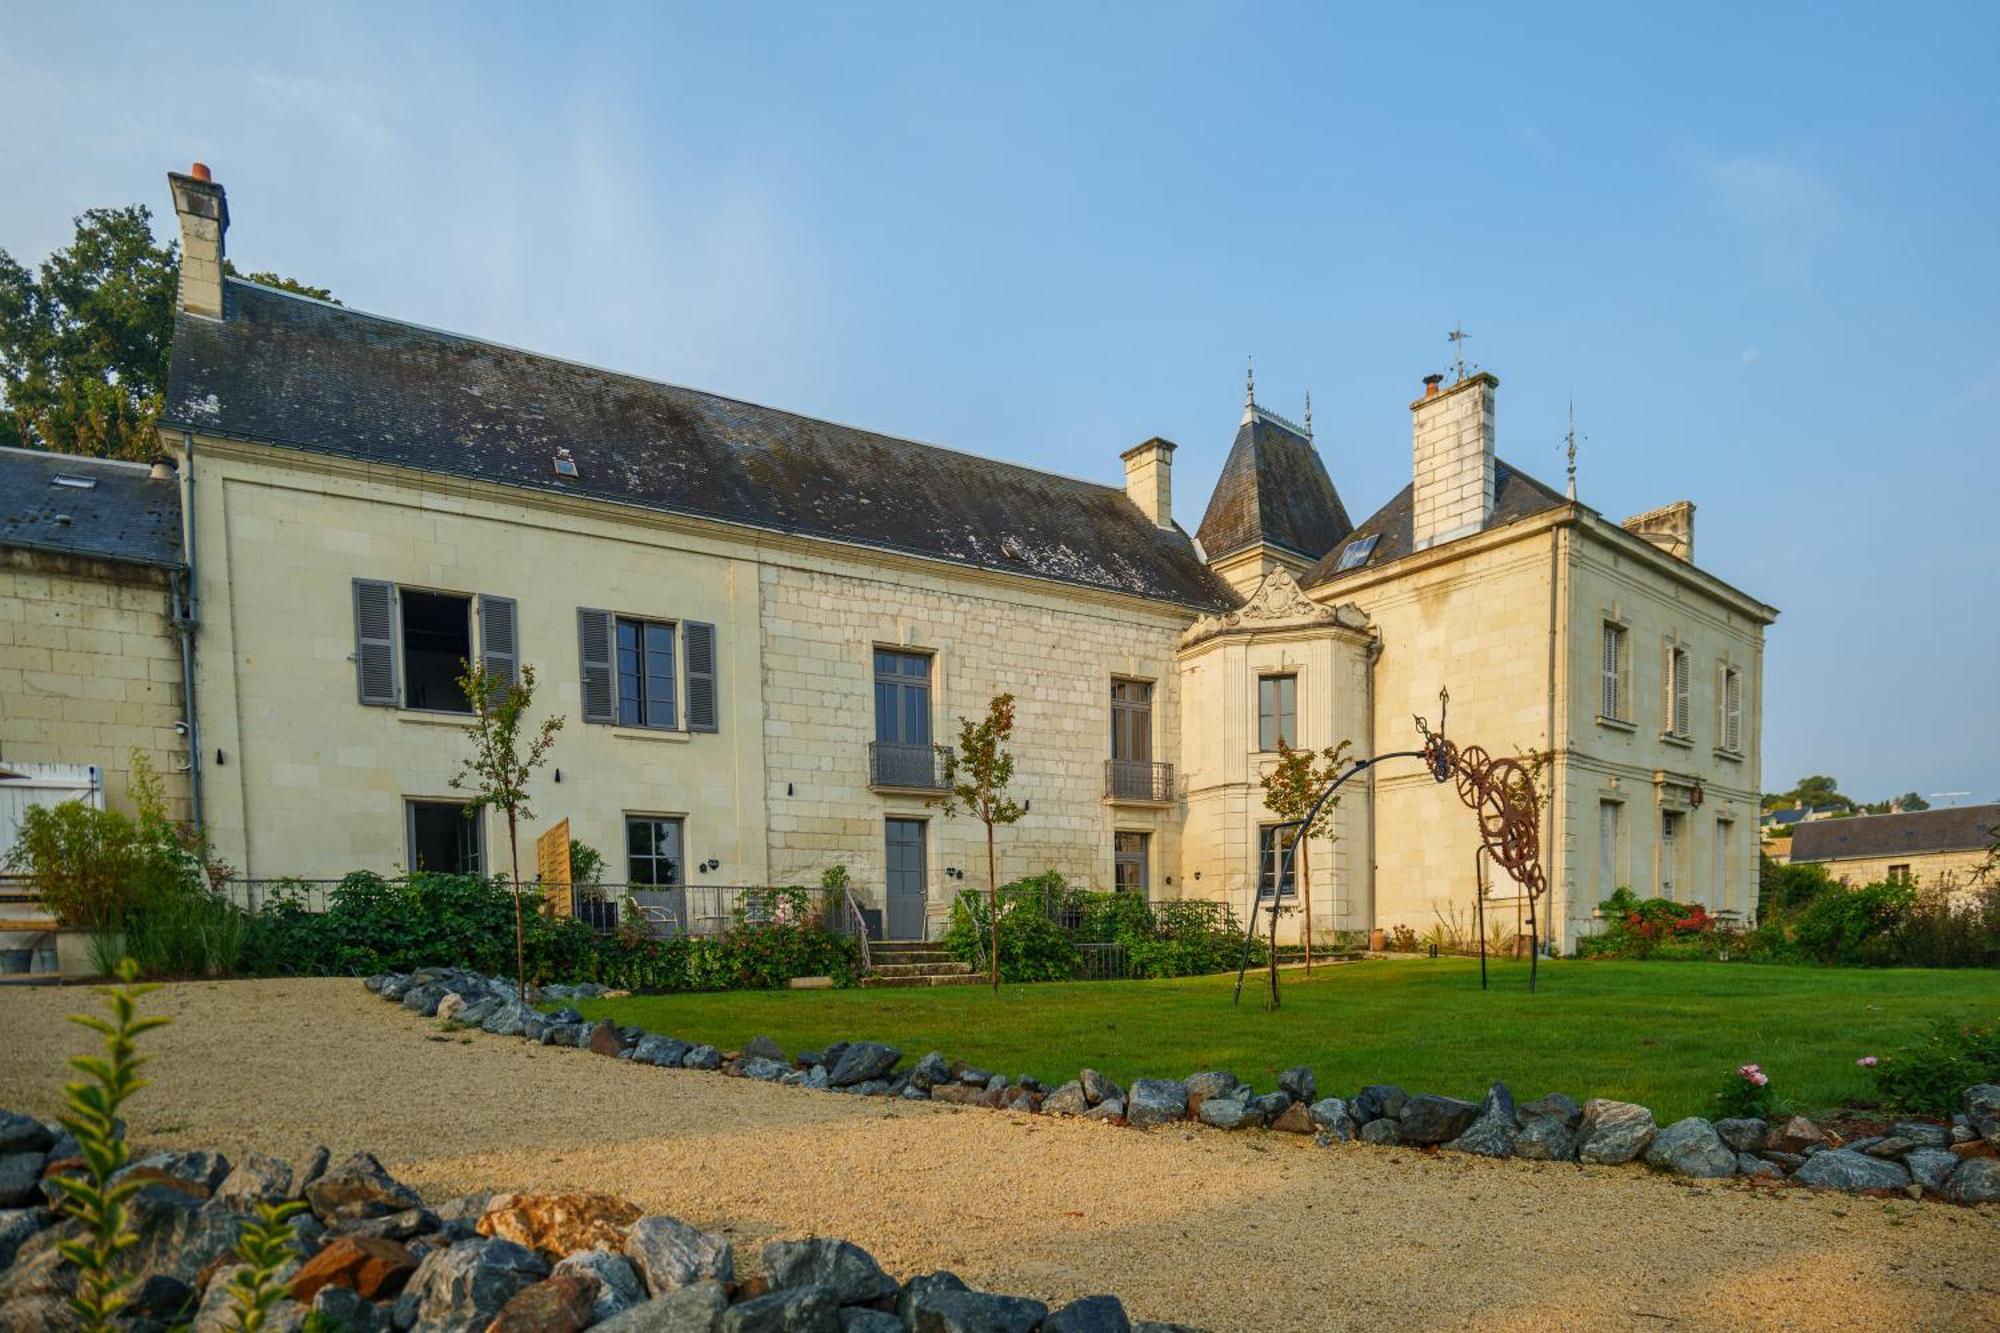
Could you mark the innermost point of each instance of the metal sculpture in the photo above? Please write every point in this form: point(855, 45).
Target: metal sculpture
point(1499, 791)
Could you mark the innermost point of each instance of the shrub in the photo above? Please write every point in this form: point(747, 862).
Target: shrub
point(1931, 1077)
point(1844, 925)
point(85, 862)
point(1655, 928)
point(1048, 920)
point(1746, 1095)
point(1033, 947)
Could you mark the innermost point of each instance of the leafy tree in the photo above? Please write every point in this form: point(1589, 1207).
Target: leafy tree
point(502, 762)
point(978, 773)
point(1909, 800)
point(282, 283)
point(1813, 793)
point(1289, 792)
point(84, 341)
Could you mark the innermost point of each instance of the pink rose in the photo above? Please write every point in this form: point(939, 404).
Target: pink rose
point(1867, 1062)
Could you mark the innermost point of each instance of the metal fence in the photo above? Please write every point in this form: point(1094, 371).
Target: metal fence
point(911, 767)
point(1102, 962)
point(1138, 780)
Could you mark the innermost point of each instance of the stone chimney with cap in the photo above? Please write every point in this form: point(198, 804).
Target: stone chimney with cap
point(204, 214)
point(1670, 527)
point(1451, 430)
point(1149, 479)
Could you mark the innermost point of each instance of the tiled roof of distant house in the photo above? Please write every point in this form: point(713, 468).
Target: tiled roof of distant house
point(1960, 828)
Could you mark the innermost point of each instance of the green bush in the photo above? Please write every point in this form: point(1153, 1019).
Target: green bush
point(1853, 926)
point(1656, 928)
point(84, 862)
point(1043, 920)
point(1931, 1077)
point(1032, 946)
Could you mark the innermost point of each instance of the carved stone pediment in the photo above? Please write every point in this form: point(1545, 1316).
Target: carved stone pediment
point(1277, 603)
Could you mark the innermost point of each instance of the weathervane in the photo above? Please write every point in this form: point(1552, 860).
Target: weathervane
point(1458, 337)
point(1309, 414)
point(1249, 382)
point(1570, 441)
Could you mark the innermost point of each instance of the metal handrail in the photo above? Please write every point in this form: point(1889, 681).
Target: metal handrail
point(1138, 780)
point(909, 767)
point(859, 923)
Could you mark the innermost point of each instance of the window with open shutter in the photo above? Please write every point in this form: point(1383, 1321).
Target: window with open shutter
point(499, 638)
point(1732, 710)
point(375, 642)
point(1677, 691)
point(1614, 652)
point(702, 707)
point(594, 649)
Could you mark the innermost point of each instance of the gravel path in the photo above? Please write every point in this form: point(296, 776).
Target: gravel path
point(1256, 1231)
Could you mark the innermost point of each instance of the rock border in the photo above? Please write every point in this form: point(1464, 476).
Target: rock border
point(1958, 1161)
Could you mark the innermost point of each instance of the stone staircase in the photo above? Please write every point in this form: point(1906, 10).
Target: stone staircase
point(916, 963)
point(27, 936)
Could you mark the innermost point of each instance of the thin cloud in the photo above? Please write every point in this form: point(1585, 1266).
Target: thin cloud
point(1785, 209)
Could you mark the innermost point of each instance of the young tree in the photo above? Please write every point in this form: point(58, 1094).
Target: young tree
point(978, 773)
point(497, 773)
point(1289, 792)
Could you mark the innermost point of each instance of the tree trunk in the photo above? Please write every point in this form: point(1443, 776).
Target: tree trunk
point(993, 908)
point(520, 944)
point(1277, 897)
point(1306, 889)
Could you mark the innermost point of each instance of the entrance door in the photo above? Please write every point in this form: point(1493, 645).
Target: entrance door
point(907, 878)
point(653, 867)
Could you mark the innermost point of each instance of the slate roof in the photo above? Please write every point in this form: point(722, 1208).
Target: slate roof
point(1960, 828)
point(303, 374)
point(1516, 495)
point(1274, 489)
point(125, 517)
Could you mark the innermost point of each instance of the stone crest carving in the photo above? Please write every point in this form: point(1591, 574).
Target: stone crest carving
point(1277, 603)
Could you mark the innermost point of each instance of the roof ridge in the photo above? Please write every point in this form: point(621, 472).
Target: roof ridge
point(88, 460)
point(334, 307)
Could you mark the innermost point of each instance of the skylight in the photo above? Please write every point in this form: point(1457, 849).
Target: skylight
point(565, 465)
point(1356, 554)
point(74, 483)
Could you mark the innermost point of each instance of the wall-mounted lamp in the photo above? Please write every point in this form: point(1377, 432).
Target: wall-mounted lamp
point(953, 872)
point(1026, 806)
point(788, 789)
point(710, 864)
point(219, 760)
point(1170, 880)
point(559, 775)
point(1197, 874)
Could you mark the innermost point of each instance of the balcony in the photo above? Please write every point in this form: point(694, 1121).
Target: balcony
point(907, 767)
point(1138, 782)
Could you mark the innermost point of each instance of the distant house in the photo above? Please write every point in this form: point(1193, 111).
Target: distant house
point(1940, 848)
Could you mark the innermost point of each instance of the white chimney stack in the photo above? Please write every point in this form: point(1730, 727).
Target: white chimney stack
point(1149, 479)
point(204, 215)
point(1451, 432)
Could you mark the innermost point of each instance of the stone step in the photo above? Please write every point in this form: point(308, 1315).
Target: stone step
point(944, 979)
point(946, 969)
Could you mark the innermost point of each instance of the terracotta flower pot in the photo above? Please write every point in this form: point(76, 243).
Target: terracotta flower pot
point(1378, 941)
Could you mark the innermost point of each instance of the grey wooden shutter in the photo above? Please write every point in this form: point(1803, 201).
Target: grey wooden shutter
point(701, 701)
point(594, 648)
point(375, 642)
point(500, 638)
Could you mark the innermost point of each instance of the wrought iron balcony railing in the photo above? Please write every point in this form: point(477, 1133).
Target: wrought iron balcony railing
point(910, 767)
point(1138, 780)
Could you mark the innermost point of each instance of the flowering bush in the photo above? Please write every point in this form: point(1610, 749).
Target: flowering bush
point(1746, 1095)
point(1933, 1075)
point(1656, 928)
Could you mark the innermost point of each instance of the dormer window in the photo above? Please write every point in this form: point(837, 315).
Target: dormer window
point(565, 465)
point(64, 479)
point(1356, 553)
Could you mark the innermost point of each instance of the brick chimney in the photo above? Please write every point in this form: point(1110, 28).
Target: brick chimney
point(1670, 527)
point(204, 215)
point(1149, 479)
point(1451, 431)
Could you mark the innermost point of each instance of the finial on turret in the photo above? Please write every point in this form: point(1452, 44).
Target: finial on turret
point(1309, 414)
point(1250, 382)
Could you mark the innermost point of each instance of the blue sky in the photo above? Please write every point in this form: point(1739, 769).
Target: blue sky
point(1761, 250)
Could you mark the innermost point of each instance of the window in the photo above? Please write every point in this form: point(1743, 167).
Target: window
point(1725, 833)
point(1900, 875)
point(1609, 813)
point(652, 851)
point(1670, 837)
point(1355, 554)
point(411, 644)
point(1731, 728)
point(1613, 704)
point(1129, 863)
point(1277, 711)
point(1132, 720)
point(902, 698)
point(646, 675)
point(443, 838)
point(1675, 707)
point(1272, 842)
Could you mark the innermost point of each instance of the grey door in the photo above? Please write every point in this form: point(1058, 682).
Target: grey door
point(906, 879)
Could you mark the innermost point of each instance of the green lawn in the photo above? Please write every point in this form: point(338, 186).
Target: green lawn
point(1663, 1034)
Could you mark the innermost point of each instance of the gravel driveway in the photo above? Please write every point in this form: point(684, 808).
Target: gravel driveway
point(1249, 1231)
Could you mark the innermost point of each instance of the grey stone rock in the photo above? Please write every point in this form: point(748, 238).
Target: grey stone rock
point(394, 988)
point(1431, 1118)
point(1091, 1314)
point(17, 1224)
point(1378, 1101)
point(458, 1217)
point(766, 1049)
point(1612, 1132)
point(461, 1287)
point(358, 1188)
point(1334, 1118)
point(1742, 1134)
point(794, 1310)
point(200, 1171)
point(1544, 1138)
point(20, 1179)
point(861, 1319)
point(1554, 1106)
point(423, 1000)
point(21, 1133)
point(870, 1088)
point(1069, 1099)
point(669, 1253)
point(1691, 1147)
point(1271, 1105)
point(1844, 1169)
point(309, 1168)
point(831, 1056)
point(1111, 1108)
point(1977, 1180)
point(1156, 1101)
point(1982, 1111)
point(1299, 1081)
point(177, 1236)
point(1930, 1167)
point(862, 1062)
point(818, 1078)
point(1921, 1133)
point(1789, 1161)
point(256, 1179)
point(618, 1284)
point(1891, 1146)
point(843, 1268)
point(1747, 1165)
point(1867, 1143)
point(217, 1311)
point(921, 1286)
point(702, 1057)
point(1229, 1113)
point(1213, 1083)
point(478, 1011)
point(972, 1076)
point(506, 1018)
point(975, 1312)
point(1960, 1131)
point(692, 1309)
point(1098, 1088)
point(665, 1052)
point(762, 1069)
point(406, 1225)
point(930, 1071)
point(1382, 1132)
point(1491, 1133)
point(343, 1308)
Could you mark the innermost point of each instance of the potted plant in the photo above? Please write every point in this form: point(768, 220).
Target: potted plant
point(85, 866)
